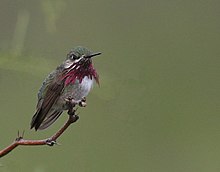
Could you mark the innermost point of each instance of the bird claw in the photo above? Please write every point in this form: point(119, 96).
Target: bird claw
point(82, 103)
point(70, 101)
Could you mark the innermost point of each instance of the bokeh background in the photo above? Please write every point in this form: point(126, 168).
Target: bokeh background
point(157, 108)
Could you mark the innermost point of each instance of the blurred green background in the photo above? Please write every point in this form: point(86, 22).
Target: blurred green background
point(157, 108)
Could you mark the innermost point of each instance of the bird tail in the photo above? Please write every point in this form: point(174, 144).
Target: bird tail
point(40, 123)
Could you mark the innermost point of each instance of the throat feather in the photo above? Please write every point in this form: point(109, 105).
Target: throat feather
point(79, 73)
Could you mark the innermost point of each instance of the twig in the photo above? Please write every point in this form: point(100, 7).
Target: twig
point(49, 141)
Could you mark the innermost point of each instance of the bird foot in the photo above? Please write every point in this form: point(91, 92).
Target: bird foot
point(70, 102)
point(82, 103)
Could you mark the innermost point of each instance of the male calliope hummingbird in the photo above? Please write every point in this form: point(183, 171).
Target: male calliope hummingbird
point(65, 87)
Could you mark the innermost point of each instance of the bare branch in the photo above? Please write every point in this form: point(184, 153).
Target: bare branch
point(49, 141)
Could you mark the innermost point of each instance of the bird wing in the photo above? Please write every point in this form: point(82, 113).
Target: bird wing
point(52, 116)
point(49, 93)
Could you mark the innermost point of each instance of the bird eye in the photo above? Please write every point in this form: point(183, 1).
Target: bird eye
point(73, 56)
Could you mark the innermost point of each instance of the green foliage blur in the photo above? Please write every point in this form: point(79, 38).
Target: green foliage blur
point(157, 107)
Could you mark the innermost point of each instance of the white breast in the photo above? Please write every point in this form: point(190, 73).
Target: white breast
point(80, 90)
point(86, 85)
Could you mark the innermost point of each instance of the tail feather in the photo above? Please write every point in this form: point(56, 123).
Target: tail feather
point(50, 119)
point(41, 122)
point(37, 119)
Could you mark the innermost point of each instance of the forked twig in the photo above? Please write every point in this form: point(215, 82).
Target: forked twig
point(49, 141)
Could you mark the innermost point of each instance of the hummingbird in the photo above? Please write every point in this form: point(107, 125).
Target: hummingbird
point(65, 87)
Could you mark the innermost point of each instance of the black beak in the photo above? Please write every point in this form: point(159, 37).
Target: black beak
point(92, 55)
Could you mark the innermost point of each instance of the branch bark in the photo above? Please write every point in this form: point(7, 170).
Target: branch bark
point(49, 141)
